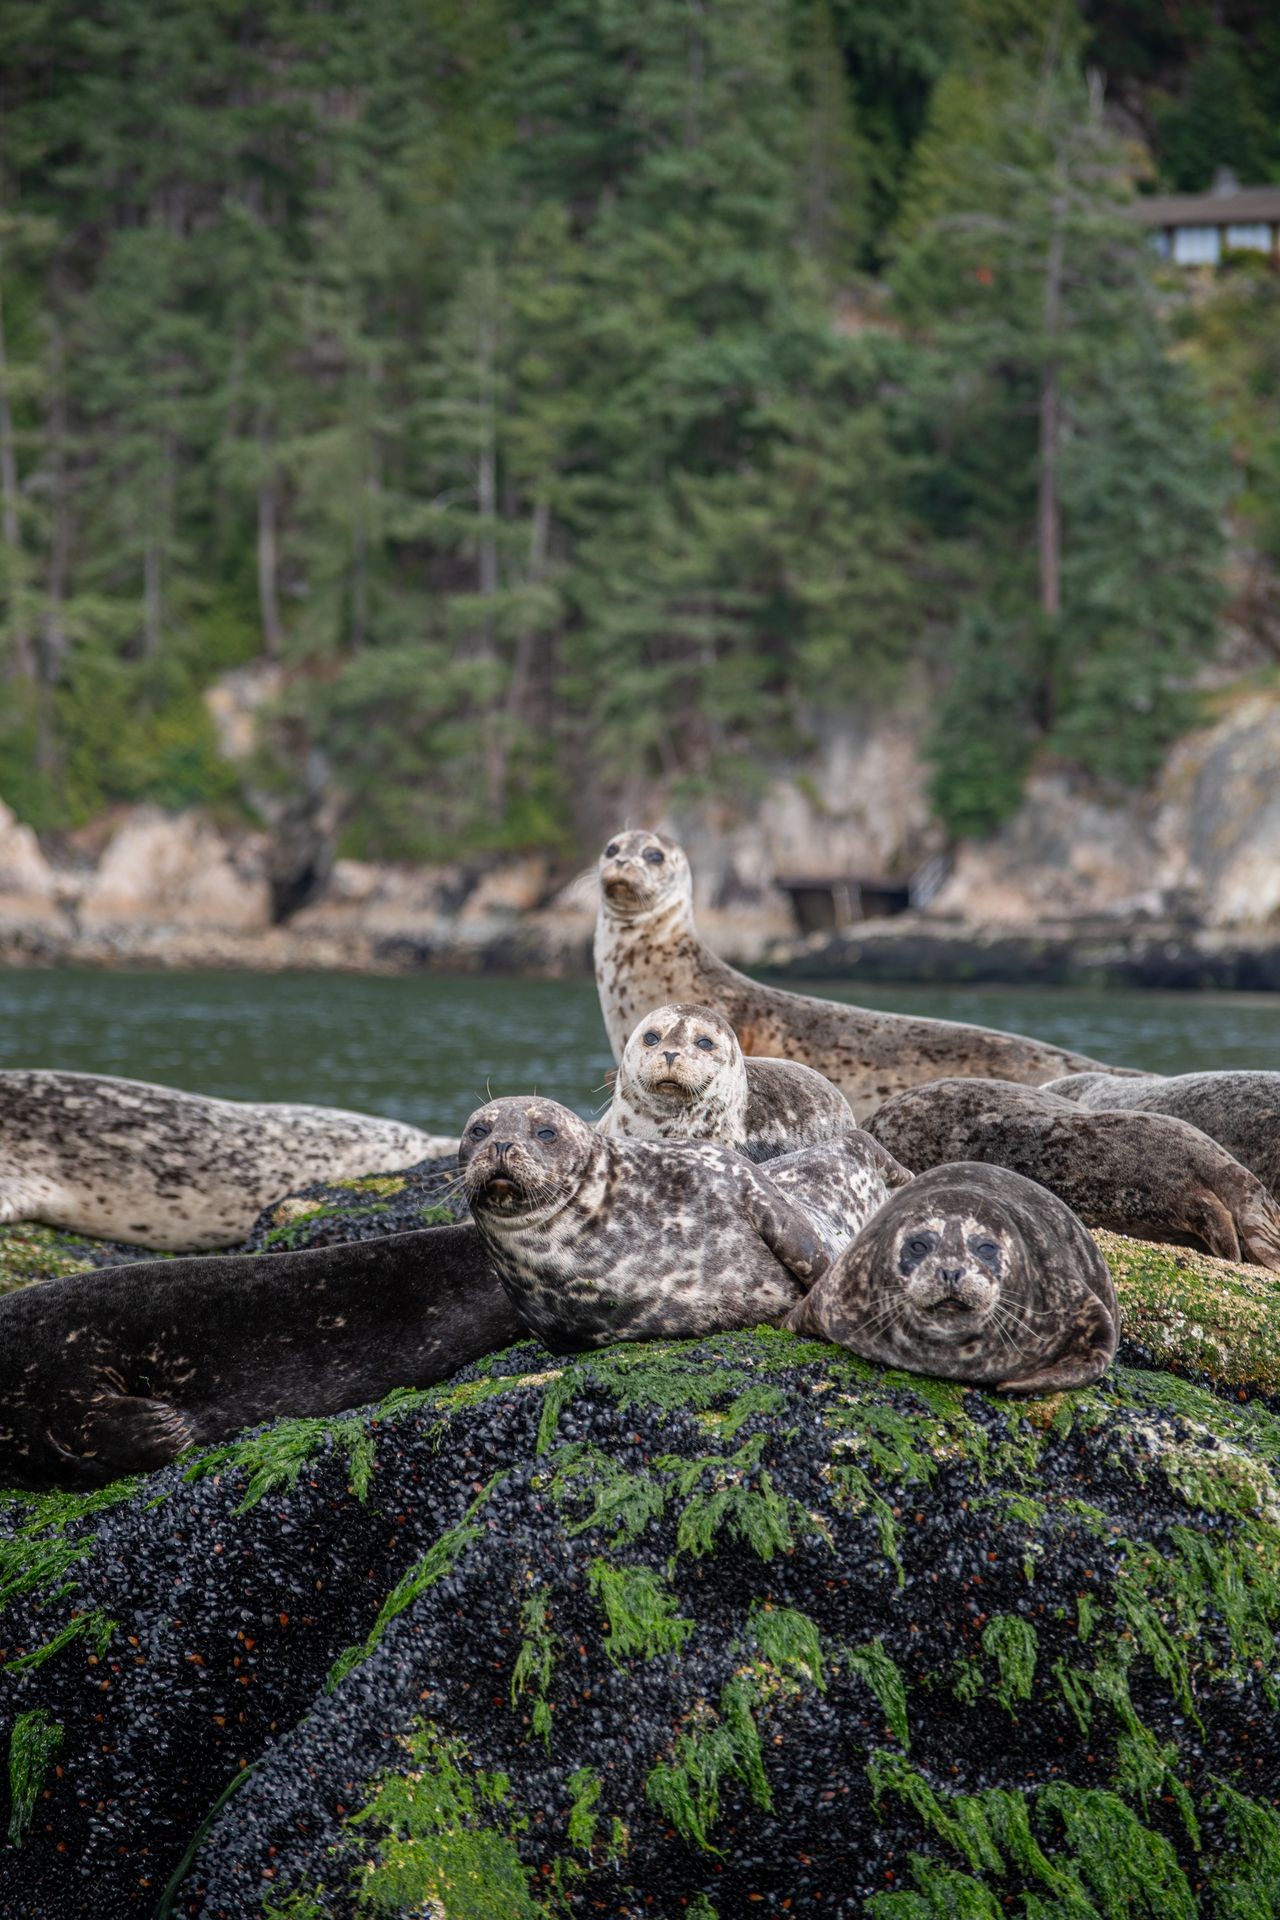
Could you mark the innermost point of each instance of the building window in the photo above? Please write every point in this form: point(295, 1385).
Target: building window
point(1256, 237)
point(1160, 243)
point(1197, 246)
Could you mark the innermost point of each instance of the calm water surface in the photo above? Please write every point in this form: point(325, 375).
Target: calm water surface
point(425, 1048)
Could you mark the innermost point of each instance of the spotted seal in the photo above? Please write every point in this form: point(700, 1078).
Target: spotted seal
point(647, 953)
point(1144, 1174)
point(598, 1239)
point(838, 1184)
point(683, 1076)
point(125, 1160)
point(1239, 1109)
point(972, 1273)
point(103, 1374)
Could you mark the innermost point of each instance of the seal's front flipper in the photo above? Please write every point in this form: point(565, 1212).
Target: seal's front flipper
point(1087, 1350)
point(785, 1229)
point(124, 1433)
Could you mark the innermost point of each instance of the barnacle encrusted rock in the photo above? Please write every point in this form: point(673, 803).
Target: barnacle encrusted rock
point(719, 1628)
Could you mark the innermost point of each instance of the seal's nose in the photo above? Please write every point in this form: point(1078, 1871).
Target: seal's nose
point(951, 1276)
point(670, 1059)
point(502, 1148)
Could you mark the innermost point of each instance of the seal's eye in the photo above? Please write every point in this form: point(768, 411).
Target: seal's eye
point(479, 1131)
point(708, 1046)
point(987, 1251)
point(651, 1038)
point(920, 1244)
point(655, 856)
point(610, 850)
point(546, 1133)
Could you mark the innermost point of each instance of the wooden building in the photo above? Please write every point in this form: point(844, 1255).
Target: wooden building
point(1197, 229)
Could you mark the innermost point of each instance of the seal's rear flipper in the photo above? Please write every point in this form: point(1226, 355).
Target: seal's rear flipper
point(123, 1433)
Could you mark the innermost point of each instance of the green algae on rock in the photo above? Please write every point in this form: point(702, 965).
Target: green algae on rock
point(1189, 1312)
point(29, 1254)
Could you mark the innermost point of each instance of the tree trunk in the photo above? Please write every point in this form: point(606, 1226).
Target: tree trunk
point(522, 665)
point(153, 557)
point(10, 524)
point(268, 583)
point(495, 748)
point(54, 638)
point(1048, 510)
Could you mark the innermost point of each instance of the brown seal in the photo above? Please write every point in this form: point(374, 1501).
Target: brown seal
point(683, 1076)
point(598, 1239)
point(1239, 1109)
point(648, 953)
point(1138, 1173)
point(103, 1374)
point(972, 1273)
point(125, 1160)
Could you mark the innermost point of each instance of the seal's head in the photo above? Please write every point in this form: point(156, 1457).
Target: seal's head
point(640, 872)
point(679, 1055)
point(518, 1155)
point(951, 1266)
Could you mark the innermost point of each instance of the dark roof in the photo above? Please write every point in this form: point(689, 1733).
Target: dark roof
point(1237, 208)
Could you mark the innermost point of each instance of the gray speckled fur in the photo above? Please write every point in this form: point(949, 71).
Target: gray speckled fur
point(761, 1107)
point(1238, 1109)
point(1139, 1173)
point(103, 1374)
point(126, 1160)
point(648, 953)
point(1041, 1317)
point(838, 1184)
point(602, 1239)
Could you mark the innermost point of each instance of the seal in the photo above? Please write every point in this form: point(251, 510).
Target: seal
point(647, 953)
point(125, 1160)
point(683, 1076)
point(598, 1239)
point(108, 1373)
point(972, 1273)
point(1240, 1109)
point(1143, 1174)
point(838, 1184)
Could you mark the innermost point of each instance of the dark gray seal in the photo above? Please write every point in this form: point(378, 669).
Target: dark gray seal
point(1143, 1174)
point(683, 1076)
point(648, 953)
point(125, 1160)
point(1240, 1109)
point(838, 1184)
point(598, 1239)
point(103, 1374)
point(972, 1273)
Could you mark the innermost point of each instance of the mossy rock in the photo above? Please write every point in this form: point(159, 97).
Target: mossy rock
point(697, 1628)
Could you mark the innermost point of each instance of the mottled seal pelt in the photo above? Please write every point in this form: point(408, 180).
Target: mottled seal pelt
point(683, 1076)
point(1138, 1173)
point(103, 1374)
point(648, 953)
point(838, 1184)
point(1239, 1109)
point(125, 1160)
point(598, 1239)
point(972, 1273)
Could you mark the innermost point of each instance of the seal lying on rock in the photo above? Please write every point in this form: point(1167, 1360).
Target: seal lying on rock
point(1240, 1110)
point(972, 1273)
point(103, 1374)
point(1138, 1173)
point(683, 1076)
point(598, 1239)
point(125, 1160)
point(647, 953)
point(838, 1184)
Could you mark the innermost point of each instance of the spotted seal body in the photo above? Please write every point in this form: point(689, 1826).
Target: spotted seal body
point(838, 1184)
point(1240, 1110)
point(103, 1374)
point(683, 1076)
point(647, 953)
point(972, 1273)
point(125, 1160)
point(598, 1239)
point(1138, 1173)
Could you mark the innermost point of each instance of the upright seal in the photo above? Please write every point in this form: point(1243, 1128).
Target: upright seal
point(1238, 1109)
point(972, 1273)
point(598, 1239)
point(648, 953)
point(683, 1076)
point(125, 1160)
point(1138, 1173)
point(103, 1374)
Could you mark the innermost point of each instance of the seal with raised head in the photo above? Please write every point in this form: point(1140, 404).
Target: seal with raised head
point(125, 1160)
point(647, 953)
point(1240, 1109)
point(598, 1239)
point(683, 1076)
point(103, 1374)
point(972, 1273)
point(1144, 1174)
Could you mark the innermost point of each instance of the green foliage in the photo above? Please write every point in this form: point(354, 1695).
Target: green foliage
point(872, 1664)
point(1011, 1642)
point(536, 1661)
point(33, 1746)
point(641, 1612)
point(276, 1457)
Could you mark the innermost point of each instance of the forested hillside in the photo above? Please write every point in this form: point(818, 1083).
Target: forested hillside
point(567, 391)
